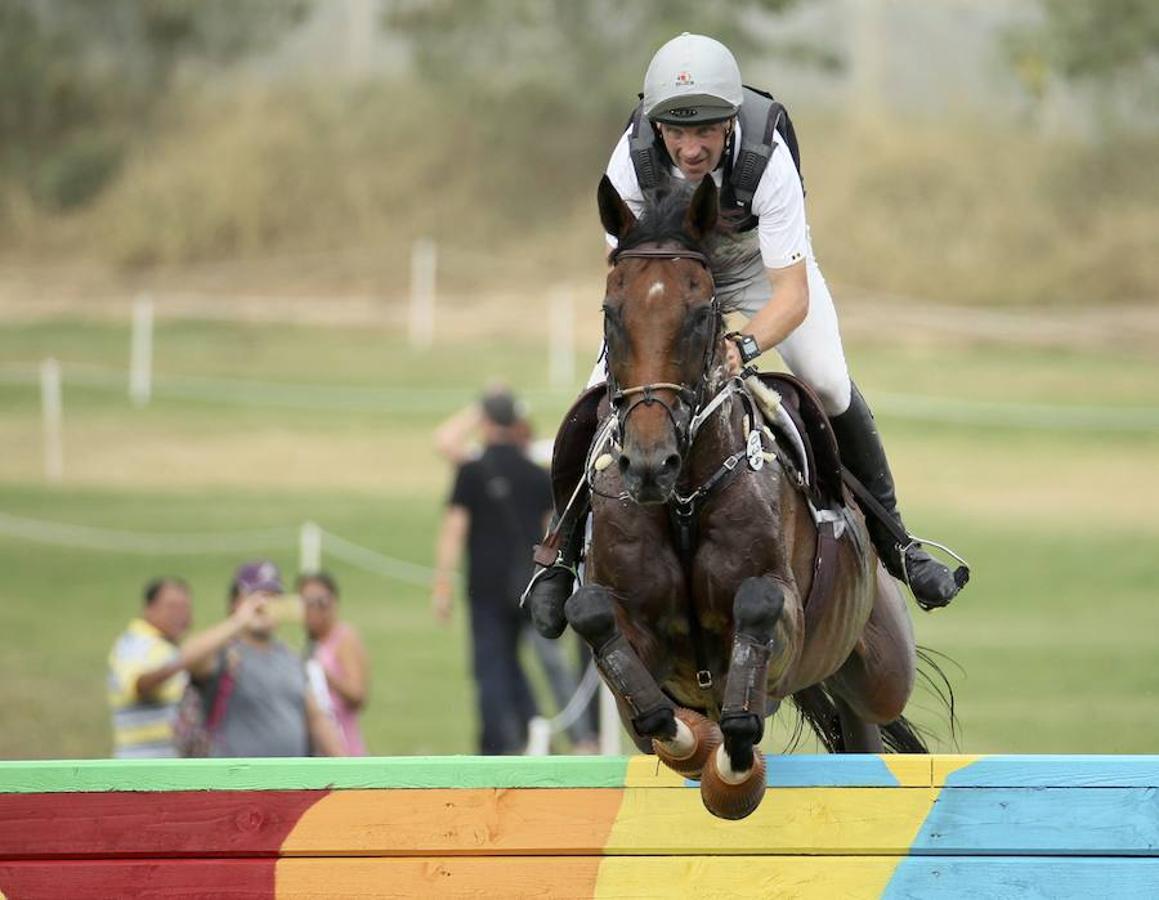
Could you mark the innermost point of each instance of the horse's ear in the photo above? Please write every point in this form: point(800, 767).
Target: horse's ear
point(700, 219)
point(617, 219)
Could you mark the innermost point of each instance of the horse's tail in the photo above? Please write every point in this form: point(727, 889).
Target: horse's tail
point(817, 709)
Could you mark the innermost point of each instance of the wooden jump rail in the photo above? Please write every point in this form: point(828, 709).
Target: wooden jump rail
point(830, 826)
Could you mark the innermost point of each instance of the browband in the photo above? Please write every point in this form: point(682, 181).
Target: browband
point(662, 253)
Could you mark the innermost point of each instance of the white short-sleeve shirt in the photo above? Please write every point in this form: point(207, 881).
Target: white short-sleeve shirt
point(778, 202)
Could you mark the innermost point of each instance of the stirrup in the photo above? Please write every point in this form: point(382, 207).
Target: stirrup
point(961, 574)
point(542, 572)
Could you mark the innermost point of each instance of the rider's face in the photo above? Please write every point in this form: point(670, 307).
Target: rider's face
point(696, 149)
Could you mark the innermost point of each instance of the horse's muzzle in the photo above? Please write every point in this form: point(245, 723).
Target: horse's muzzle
point(649, 477)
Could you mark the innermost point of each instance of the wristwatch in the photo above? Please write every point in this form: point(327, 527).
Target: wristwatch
point(748, 347)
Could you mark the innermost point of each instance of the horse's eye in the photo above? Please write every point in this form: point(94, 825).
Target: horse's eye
point(701, 317)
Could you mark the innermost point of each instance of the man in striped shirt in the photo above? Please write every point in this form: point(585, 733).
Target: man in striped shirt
point(148, 671)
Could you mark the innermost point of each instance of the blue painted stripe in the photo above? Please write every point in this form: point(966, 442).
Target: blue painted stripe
point(926, 878)
point(823, 770)
point(1058, 771)
point(1042, 821)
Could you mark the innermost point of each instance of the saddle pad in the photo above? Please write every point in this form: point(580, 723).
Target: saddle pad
point(805, 410)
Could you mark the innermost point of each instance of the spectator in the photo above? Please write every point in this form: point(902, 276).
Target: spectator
point(148, 671)
point(497, 509)
point(456, 441)
point(338, 649)
point(256, 687)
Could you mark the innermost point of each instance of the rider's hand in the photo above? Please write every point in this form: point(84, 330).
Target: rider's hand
point(732, 361)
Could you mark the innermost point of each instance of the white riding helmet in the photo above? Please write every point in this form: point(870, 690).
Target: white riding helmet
point(692, 79)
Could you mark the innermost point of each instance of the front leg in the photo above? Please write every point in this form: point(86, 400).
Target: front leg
point(756, 611)
point(733, 782)
point(590, 612)
point(683, 739)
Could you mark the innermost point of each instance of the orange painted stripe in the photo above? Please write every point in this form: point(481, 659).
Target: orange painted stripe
point(509, 821)
point(555, 877)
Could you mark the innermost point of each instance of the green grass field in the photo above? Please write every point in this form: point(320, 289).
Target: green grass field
point(1056, 636)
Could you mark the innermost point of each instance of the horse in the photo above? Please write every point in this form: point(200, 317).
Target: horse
point(703, 547)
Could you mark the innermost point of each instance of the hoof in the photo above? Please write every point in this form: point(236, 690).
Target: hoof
point(729, 795)
point(706, 737)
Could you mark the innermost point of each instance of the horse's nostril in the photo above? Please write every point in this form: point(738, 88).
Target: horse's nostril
point(624, 462)
point(671, 462)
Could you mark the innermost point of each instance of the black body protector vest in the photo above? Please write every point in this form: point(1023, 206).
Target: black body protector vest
point(760, 117)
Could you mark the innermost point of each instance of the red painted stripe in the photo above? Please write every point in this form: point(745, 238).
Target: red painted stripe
point(161, 824)
point(238, 879)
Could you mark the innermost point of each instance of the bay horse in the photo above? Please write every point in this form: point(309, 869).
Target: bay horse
point(703, 548)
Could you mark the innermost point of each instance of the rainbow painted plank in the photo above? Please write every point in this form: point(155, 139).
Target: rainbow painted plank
point(830, 826)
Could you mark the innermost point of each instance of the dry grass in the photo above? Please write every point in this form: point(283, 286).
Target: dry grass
point(306, 192)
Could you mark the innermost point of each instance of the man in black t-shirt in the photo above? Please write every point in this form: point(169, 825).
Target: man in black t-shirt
point(496, 511)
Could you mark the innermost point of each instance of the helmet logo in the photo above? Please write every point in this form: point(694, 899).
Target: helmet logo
point(684, 78)
point(684, 112)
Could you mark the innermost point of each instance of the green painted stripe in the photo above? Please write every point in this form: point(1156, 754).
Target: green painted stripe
point(55, 776)
point(80, 776)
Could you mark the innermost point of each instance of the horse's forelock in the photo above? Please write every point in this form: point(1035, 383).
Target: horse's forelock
point(662, 220)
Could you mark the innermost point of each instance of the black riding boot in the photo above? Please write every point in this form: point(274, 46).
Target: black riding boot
point(932, 583)
point(552, 583)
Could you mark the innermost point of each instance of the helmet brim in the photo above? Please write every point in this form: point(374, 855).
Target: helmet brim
point(692, 111)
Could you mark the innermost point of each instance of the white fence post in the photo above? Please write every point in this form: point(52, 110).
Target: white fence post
point(141, 352)
point(423, 263)
point(538, 737)
point(52, 416)
point(609, 723)
point(309, 548)
point(561, 339)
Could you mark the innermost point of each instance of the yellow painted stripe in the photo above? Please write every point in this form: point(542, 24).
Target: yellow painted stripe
point(818, 878)
point(910, 770)
point(648, 771)
point(789, 820)
point(945, 765)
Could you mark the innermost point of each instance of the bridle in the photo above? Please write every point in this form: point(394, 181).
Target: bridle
point(692, 398)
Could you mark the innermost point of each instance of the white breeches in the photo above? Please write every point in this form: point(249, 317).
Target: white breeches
point(813, 352)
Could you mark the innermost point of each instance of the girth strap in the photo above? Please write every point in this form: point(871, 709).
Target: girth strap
point(682, 516)
point(824, 575)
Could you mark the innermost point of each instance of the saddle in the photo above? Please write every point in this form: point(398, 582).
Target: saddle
point(572, 442)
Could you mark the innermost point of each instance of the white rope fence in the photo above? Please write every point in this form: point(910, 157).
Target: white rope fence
point(354, 398)
point(86, 537)
point(376, 563)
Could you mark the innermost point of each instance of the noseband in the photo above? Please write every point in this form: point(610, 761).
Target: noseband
point(692, 398)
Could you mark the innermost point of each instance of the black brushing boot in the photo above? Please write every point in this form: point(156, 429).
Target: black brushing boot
point(932, 583)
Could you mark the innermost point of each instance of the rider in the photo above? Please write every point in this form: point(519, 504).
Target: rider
point(691, 123)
